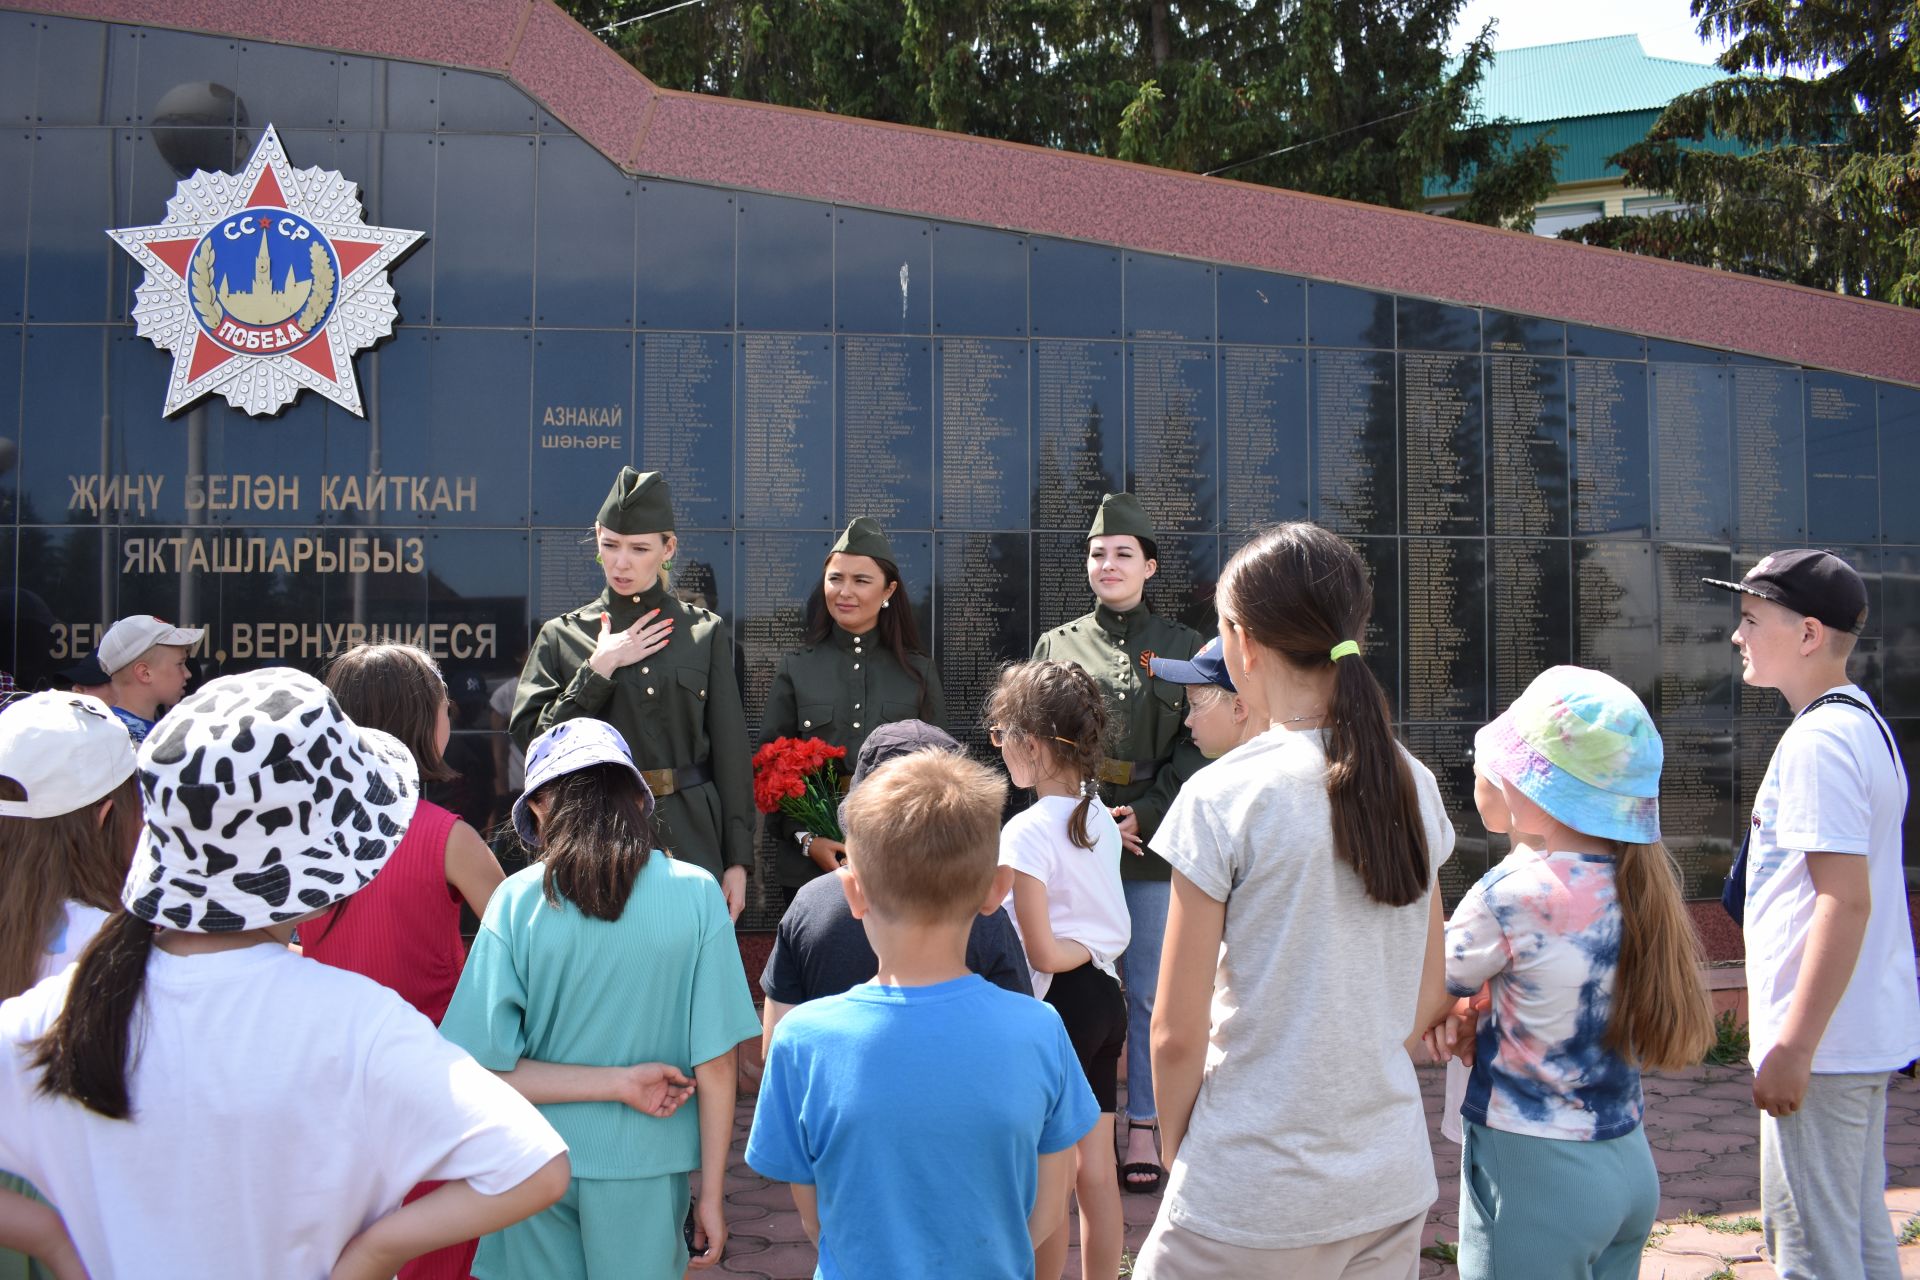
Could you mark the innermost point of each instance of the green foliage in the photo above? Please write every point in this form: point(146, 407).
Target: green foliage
point(1830, 197)
point(1442, 1251)
point(1349, 98)
point(1910, 1230)
point(1730, 1040)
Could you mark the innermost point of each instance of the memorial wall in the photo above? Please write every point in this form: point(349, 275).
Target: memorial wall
point(1525, 491)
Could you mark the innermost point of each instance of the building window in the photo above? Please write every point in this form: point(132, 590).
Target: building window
point(1551, 220)
point(1641, 206)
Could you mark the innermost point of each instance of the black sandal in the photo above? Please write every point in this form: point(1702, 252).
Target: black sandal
point(1151, 1173)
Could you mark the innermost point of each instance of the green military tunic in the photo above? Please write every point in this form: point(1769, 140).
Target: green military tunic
point(839, 691)
point(1146, 728)
point(678, 708)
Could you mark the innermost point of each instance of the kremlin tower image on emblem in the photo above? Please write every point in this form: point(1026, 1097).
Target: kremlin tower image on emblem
point(262, 304)
point(261, 316)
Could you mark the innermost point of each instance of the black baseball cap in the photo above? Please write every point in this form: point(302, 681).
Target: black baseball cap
point(86, 673)
point(1815, 584)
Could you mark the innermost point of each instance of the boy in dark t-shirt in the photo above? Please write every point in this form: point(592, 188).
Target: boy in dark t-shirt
point(821, 950)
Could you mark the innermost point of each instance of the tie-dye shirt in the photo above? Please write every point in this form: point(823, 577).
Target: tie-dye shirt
point(1545, 929)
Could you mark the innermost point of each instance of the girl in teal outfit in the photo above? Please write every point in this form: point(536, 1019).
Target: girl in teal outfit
point(603, 954)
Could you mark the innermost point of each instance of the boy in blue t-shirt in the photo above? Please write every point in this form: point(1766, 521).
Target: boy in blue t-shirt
point(927, 1119)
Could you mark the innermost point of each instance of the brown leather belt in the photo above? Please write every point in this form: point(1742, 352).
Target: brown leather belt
point(664, 782)
point(1123, 773)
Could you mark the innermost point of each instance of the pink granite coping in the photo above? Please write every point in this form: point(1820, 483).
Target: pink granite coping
point(952, 176)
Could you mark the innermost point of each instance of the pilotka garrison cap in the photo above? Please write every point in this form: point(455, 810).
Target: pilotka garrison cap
point(863, 537)
point(639, 502)
point(1816, 584)
point(1121, 513)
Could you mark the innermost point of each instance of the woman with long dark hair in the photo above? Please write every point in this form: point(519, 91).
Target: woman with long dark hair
point(1311, 853)
point(862, 666)
point(602, 971)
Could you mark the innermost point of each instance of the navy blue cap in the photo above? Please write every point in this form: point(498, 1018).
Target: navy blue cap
point(86, 673)
point(1209, 666)
point(467, 687)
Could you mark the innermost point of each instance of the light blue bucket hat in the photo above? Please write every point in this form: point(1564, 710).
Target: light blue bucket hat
point(1579, 744)
point(568, 747)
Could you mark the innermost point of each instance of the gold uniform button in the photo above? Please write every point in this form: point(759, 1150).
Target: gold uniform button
point(636, 599)
point(650, 691)
point(646, 671)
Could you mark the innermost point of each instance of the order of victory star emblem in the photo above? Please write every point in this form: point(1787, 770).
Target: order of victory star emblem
point(263, 282)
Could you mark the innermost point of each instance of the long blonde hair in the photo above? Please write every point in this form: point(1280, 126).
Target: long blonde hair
point(1661, 1015)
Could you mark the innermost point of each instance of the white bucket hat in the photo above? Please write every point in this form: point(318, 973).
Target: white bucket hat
point(264, 803)
point(568, 747)
point(66, 750)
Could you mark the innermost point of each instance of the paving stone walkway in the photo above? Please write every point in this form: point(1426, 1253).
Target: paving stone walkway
point(1701, 1123)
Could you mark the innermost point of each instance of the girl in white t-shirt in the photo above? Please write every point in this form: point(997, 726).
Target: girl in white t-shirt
point(69, 817)
point(1049, 721)
point(197, 1099)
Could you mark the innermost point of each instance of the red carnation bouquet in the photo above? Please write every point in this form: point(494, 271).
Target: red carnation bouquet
point(800, 778)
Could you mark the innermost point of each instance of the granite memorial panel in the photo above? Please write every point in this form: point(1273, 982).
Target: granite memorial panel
point(1523, 491)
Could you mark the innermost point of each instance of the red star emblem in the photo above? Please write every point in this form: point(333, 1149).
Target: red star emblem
point(264, 282)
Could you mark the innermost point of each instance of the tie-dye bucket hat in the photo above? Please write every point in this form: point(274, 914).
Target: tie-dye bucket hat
point(1580, 745)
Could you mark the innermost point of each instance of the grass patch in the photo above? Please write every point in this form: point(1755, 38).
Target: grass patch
point(1728, 1226)
point(1910, 1233)
point(1126, 1265)
point(1442, 1251)
point(1730, 1042)
point(1724, 1273)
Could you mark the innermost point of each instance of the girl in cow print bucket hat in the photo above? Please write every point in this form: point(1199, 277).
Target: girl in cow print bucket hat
point(292, 1105)
point(264, 803)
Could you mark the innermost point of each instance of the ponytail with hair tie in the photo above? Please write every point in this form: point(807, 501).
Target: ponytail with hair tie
point(1039, 699)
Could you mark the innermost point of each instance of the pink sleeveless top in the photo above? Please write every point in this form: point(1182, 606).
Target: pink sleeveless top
point(403, 930)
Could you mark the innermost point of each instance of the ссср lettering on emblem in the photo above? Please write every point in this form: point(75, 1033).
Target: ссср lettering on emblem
point(264, 282)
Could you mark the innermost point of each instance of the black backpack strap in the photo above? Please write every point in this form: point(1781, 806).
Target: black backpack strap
point(1852, 701)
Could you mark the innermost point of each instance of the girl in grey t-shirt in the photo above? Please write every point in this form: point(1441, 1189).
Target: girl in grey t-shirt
point(1292, 1114)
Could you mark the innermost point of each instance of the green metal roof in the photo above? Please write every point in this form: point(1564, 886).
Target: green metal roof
point(1595, 98)
point(1606, 76)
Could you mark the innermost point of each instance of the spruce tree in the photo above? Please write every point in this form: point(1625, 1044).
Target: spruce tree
point(1825, 98)
point(1351, 98)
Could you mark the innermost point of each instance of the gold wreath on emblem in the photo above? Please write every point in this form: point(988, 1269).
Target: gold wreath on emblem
point(206, 302)
point(322, 296)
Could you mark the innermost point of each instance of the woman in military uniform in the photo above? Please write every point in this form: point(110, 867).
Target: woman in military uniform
point(1149, 754)
point(862, 666)
point(661, 672)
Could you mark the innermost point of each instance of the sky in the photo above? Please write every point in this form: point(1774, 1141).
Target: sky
point(1665, 27)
